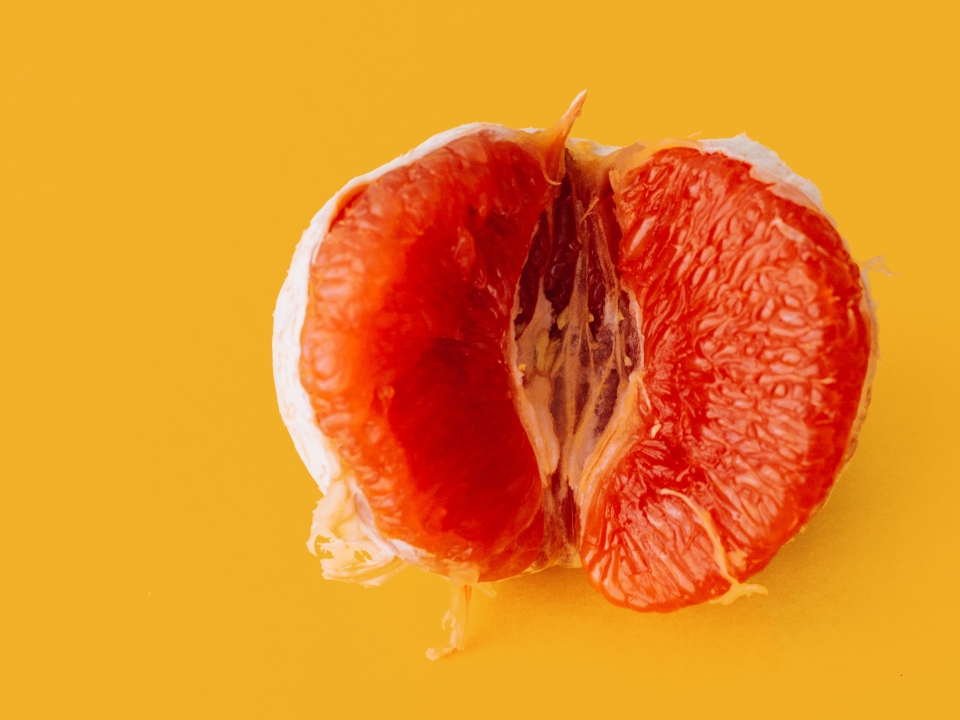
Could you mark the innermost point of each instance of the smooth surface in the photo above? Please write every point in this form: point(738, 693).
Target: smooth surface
point(157, 165)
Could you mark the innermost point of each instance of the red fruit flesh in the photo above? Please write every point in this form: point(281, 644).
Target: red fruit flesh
point(755, 350)
point(695, 346)
point(403, 352)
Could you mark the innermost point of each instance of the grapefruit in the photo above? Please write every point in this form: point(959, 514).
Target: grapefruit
point(508, 350)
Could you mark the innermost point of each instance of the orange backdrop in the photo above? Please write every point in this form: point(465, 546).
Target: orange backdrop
point(158, 162)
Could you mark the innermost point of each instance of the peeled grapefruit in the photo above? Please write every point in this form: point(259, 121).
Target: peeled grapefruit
point(509, 349)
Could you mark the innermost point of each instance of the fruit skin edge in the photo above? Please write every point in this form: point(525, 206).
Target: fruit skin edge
point(350, 546)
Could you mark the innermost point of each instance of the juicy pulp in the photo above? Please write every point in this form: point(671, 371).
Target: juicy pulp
point(648, 359)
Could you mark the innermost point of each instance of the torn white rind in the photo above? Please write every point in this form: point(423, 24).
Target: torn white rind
point(346, 548)
point(454, 621)
point(768, 167)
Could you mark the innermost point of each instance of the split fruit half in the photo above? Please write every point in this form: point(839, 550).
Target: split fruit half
point(511, 349)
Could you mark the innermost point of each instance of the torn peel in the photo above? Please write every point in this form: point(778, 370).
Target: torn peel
point(348, 549)
point(454, 621)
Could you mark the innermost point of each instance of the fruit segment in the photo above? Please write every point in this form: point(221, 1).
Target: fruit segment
point(756, 345)
point(403, 350)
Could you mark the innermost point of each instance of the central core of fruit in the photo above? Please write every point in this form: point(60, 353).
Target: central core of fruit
point(577, 338)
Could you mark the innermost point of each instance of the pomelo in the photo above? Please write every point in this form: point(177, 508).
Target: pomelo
point(509, 349)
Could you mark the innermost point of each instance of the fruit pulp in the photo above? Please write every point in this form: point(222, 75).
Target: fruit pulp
point(650, 360)
point(402, 352)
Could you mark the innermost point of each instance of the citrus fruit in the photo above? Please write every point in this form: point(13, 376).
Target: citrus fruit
point(510, 349)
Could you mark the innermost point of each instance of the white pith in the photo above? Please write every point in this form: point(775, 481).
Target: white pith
point(350, 546)
point(768, 167)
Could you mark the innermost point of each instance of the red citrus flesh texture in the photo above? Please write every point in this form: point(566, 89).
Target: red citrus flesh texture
point(403, 354)
point(752, 349)
point(755, 350)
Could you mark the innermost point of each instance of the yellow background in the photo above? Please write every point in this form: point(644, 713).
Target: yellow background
point(158, 162)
